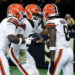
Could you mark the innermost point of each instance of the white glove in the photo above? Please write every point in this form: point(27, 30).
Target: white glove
point(28, 42)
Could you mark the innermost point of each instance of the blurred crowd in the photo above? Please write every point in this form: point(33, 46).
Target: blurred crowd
point(71, 22)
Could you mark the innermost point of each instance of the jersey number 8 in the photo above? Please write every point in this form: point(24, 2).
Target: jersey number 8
point(66, 33)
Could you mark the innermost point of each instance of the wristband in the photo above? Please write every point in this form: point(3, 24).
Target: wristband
point(20, 41)
point(52, 48)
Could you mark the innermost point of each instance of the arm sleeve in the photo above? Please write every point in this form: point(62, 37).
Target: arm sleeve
point(11, 29)
point(50, 25)
point(20, 30)
point(13, 21)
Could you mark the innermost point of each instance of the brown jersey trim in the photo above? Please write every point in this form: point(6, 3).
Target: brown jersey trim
point(15, 22)
point(50, 25)
point(57, 60)
point(2, 68)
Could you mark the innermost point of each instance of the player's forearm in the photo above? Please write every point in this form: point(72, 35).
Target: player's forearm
point(41, 40)
point(15, 39)
point(52, 47)
point(52, 51)
point(44, 32)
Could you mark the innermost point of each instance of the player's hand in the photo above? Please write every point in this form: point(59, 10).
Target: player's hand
point(36, 37)
point(34, 41)
point(28, 41)
point(52, 67)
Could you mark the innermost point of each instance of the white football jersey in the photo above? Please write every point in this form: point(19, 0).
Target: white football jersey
point(6, 28)
point(28, 30)
point(62, 36)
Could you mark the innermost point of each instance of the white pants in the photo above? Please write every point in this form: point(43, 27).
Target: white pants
point(27, 68)
point(63, 61)
point(4, 66)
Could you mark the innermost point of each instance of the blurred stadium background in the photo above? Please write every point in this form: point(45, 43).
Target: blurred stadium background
point(41, 53)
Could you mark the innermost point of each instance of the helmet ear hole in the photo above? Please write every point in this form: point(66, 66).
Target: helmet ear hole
point(49, 5)
point(47, 14)
point(17, 14)
point(35, 9)
point(28, 13)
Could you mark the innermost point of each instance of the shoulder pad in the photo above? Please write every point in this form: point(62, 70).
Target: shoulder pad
point(14, 21)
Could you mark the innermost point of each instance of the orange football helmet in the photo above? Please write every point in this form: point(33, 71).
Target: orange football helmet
point(32, 9)
point(16, 10)
point(50, 10)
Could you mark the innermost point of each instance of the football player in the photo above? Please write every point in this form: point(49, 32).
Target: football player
point(19, 53)
point(34, 16)
point(60, 52)
point(8, 28)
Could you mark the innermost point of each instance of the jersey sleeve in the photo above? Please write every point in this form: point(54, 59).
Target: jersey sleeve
point(13, 21)
point(11, 29)
point(20, 30)
point(50, 25)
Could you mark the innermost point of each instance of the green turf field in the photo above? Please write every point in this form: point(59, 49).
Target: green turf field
point(15, 71)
